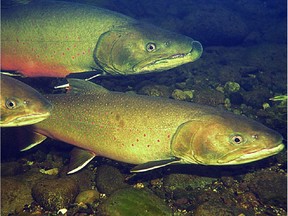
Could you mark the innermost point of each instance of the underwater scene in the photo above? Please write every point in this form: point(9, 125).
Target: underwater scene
point(149, 108)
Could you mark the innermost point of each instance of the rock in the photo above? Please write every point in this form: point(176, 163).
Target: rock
point(181, 185)
point(256, 97)
point(11, 169)
point(53, 171)
point(130, 201)
point(34, 175)
point(228, 73)
point(182, 95)
point(55, 194)
point(236, 98)
point(109, 179)
point(245, 71)
point(231, 87)
point(208, 97)
point(87, 197)
point(85, 178)
point(216, 209)
point(269, 186)
point(155, 90)
point(14, 195)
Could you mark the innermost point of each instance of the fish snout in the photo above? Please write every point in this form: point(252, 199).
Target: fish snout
point(197, 47)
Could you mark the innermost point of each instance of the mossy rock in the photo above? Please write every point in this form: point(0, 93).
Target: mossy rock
point(131, 201)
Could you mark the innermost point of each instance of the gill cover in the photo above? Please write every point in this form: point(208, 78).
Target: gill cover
point(203, 141)
point(182, 141)
point(104, 52)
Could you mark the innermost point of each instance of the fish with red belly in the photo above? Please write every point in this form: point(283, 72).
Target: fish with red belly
point(150, 131)
point(54, 39)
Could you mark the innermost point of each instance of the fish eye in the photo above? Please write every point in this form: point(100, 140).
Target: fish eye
point(11, 104)
point(150, 47)
point(237, 139)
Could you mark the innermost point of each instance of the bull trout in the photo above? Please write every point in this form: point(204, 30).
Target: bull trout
point(54, 39)
point(21, 104)
point(151, 132)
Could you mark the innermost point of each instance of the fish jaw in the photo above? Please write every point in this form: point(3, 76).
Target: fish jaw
point(253, 155)
point(172, 61)
point(25, 120)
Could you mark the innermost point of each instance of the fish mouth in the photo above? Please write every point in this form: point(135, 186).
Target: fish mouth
point(253, 155)
point(26, 120)
point(172, 61)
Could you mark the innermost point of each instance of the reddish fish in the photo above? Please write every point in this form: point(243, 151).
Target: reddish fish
point(58, 38)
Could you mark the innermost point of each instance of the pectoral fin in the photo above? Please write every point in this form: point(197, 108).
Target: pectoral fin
point(13, 74)
point(79, 159)
point(154, 165)
point(33, 139)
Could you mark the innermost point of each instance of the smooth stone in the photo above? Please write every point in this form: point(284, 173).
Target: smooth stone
point(87, 197)
point(55, 194)
point(109, 179)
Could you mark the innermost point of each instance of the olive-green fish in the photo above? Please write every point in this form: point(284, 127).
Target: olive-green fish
point(150, 131)
point(58, 38)
point(21, 104)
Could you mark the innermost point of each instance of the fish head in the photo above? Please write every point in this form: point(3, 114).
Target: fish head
point(21, 104)
point(225, 139)
point(144, 48)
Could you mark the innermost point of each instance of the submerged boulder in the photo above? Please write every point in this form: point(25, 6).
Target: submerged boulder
point(131, 201)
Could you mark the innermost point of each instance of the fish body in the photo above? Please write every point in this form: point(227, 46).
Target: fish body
point(21, 104)
point(153, 132)
point(58, 38)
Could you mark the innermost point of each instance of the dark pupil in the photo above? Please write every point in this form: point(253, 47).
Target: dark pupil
point(237, 140)
point(10, 104)
point(150, 47)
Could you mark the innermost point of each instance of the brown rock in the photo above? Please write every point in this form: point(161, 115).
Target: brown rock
point(55, 194)
point(14, 195)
